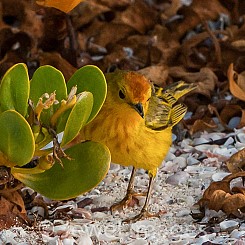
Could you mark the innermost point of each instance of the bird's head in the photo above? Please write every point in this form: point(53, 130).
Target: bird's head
point(130, 88)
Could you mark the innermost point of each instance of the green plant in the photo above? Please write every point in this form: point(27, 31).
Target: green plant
point(33, 113)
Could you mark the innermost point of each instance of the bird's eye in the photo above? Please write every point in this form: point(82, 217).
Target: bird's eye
point(121, 94)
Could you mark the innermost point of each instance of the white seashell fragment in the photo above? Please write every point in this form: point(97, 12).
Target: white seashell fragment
point(68, 241)
point(205, 148)
point(219, 176)
point(84, 239)
point(192, 161)
point(144, 226)
point(225, 151)
point(174, 137)
point(200, 141)
point(182, 213)
point(234, 122)
point(229, 225)
point(199, 169)
point(229, 141)
point(178, 178)
point(38, 211)
point(63, 227)
point(99, 215)
point(170, 157)
point(139, 241)
point(108, 238)
point(186, 144)
point(241, 137)
point(114, 168)
point(103, 200)
point(237, 234)
point(242, 227)
point(205, 238)
point(170, 167)
point(180, 162)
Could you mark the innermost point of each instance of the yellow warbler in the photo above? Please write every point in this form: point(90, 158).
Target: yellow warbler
point(136, 123)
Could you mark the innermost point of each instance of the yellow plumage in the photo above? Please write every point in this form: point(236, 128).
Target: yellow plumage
point(136, 123)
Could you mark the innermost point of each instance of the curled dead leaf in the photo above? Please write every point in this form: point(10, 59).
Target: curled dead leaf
point(201, 125)
point(205, 80)
point(234, 204)
point(12, 211)
point(236, 162)
point(220, 196)
point(237, 83)
point(157, 74)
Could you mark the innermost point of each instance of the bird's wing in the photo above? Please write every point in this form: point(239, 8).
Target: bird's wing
point(164, 110)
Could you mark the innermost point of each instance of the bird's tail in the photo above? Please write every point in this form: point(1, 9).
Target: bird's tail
point(164, 108)
point(173, 92)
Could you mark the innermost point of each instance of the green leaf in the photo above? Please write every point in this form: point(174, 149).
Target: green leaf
point(17, 141)
point(47, 79)
point(78, 117)
point(90, 78)
point(88, 167)
point(14, 89)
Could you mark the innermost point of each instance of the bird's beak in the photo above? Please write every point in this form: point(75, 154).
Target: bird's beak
point(139, 108)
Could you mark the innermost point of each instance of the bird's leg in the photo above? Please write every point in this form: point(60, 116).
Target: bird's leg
point(144, 213)
point(129, 195)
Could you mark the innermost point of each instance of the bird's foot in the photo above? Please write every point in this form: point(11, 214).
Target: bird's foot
point(144, 214)
point(128, 201)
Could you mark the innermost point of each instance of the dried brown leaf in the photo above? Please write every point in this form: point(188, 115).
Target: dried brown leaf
point(200, 125)
point(12, 211)
point(86, 12)
point(135, 16)
point(56, 60)
point(157, 74)
point(236, 83)
point(205, 80)
point(219, 196)
point(236, 162)
point(238, 189)
point(234, 203)
point(217, 199)
point(230, 111)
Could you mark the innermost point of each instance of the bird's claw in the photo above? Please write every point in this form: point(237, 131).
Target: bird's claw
point(128, 201)
point(125, 202)
point(144, 214)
